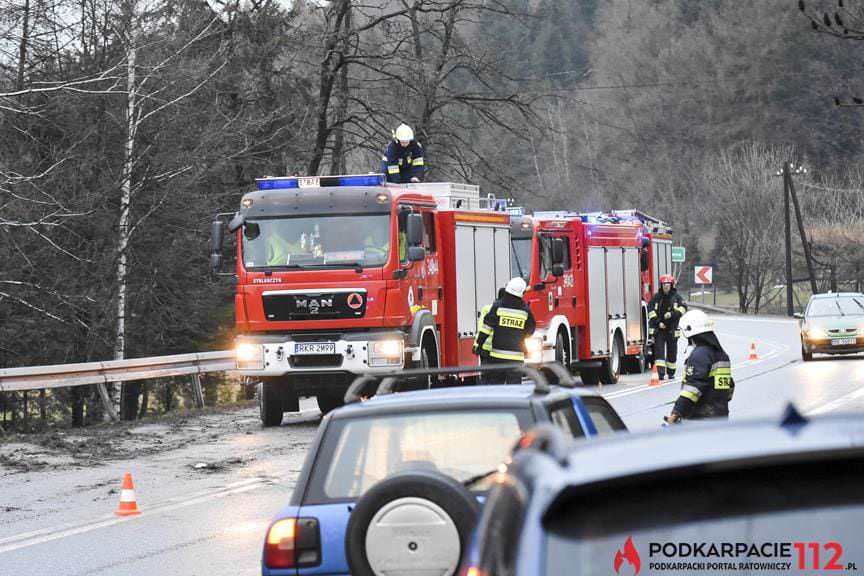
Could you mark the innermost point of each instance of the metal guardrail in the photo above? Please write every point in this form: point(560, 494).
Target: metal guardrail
point(101, 373)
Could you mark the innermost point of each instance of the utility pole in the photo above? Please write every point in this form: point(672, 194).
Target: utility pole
point(808, 257)
point(789, 169)
point(790, 306)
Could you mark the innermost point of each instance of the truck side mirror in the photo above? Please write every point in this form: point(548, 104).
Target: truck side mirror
point(216, 262)
point(557, 270)
point(217, 235)
point(414, 230)
point(557, 251)
point(416, 253)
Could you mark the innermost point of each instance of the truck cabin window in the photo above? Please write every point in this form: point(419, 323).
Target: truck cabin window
point(317, 241)
point(520, 257)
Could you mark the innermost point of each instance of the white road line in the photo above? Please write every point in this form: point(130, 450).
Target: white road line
point(32, 538)
point(836, 403)
point(777, 350)
point(759, 320)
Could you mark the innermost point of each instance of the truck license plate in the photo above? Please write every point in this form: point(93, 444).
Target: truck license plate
point(842, 341)
point(314, 348)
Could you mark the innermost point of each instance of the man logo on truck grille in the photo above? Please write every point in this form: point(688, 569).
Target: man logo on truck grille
point(312, 305)
point(355, 300)
point(510, 322)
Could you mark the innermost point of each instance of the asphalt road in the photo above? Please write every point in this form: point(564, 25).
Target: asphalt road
point(210, 520)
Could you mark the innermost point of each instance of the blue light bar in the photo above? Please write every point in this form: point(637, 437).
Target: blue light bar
point(283, 183)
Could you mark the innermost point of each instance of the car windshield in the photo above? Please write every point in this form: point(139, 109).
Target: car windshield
point(461, 445)
point(520, 257)
point(317, 241)
point(820, 502)
point(848, 306)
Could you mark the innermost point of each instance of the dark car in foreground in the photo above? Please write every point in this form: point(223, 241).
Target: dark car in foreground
point(391, 484)
point(760, 497)
point(833, 324)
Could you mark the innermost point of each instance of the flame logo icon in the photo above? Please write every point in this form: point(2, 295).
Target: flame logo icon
point(630, 554)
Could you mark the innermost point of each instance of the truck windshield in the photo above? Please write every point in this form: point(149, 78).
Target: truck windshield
point(317, 241)
point(520, 257)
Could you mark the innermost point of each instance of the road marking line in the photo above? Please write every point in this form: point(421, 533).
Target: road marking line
point(836, 403)
point(43, 535)
point(777, 350)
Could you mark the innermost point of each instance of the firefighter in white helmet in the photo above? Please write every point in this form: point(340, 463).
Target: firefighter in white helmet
point(404, 160)
point(508, 323)
point(707, 387)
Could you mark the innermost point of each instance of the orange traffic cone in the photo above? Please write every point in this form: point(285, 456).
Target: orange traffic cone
point(128, 506)
point(655, 378)
point(753, 354)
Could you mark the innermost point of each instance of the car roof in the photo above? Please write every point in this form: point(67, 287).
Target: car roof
point(836, 295)
point(458, 397)
point(709, 446)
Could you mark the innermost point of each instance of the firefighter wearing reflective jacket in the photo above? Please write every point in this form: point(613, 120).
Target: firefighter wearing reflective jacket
point(707, 387)
point(483, 350)
point(404, 160)
point(664, 311)
point(507, 324)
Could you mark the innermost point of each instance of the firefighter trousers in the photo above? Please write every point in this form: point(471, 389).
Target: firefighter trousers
point(665, 352)
point(501, 376)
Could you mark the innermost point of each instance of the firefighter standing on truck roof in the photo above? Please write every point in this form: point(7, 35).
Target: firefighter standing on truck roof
point(483, 350)
point(664, 311)
point(507, 324)
point(707, 387)
point(404, 160)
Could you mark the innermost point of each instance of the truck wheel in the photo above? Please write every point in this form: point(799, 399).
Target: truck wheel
point(435, 513)
point(636, 364)
point(329, 403)
point(561, 357)
point(589, 376)
point(270, 403)
point(611, 367)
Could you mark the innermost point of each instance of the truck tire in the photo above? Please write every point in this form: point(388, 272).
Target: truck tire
point(328, 403)
point(270, 403)
point(441, 513)
point(636, 364)
point(610, 369)
point(589, 376)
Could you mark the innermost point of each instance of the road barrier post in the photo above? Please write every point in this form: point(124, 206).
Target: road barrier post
point(199, 392)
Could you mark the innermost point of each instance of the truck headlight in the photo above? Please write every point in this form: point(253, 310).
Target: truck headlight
point(386, 352)
point(534, 349)
point(250, 356)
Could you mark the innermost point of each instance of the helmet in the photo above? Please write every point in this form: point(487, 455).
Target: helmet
point(667, 279)
point(404, 133)
point(516, 286)
point(695, 322)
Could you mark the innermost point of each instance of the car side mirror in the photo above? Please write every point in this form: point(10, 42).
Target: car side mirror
point(557, 270)
point(799, 315)
point(414, 230)
point(416, 253)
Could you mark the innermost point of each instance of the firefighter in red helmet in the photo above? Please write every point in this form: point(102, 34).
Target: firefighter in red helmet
point(664, 312)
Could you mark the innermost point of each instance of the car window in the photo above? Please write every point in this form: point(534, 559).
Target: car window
point(462, 445)
point(563, 417)
point(818, 502)
point(849, 306)
point(604, 417)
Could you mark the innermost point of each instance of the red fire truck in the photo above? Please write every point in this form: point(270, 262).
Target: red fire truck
point(590, 278)
point(345, 275)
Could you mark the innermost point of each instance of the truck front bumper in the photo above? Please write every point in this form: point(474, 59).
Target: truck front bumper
point(360, 353)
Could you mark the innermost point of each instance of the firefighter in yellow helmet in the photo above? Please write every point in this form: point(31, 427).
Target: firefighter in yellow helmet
point(508, 323)
point(404, 160)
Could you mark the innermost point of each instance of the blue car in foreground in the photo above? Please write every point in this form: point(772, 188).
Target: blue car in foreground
point(392, 485)
point(756, 497)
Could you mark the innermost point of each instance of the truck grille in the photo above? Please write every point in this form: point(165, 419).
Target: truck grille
point(316, 361)
point(281, 306)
